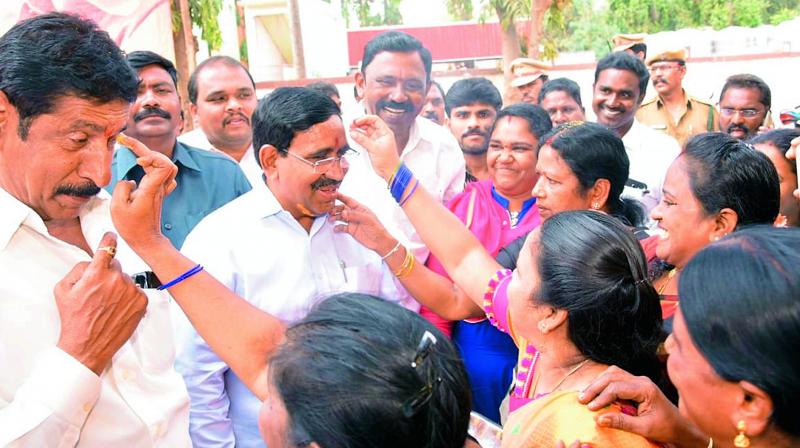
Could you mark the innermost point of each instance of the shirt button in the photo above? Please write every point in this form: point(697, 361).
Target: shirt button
point(168, 226)
point(87, 407)
point(127, 375)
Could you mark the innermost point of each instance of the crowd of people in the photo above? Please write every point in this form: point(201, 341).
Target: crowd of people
point(439, 268)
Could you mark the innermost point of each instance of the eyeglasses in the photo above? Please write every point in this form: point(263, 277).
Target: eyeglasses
point(747, 113)
point(324, 165)
point(665, 68)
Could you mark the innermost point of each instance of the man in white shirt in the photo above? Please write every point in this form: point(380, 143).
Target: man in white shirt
point(86, 361)
point(394, 79)
point(620, 83)
point(223, 96)
point(283, 256)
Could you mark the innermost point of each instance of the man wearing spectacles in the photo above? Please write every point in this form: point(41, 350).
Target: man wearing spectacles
point(672, 110)
point(276, 248)
point(744, 106)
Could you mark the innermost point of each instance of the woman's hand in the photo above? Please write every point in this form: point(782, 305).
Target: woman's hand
point(375, 136)
point(657, 419)
point(361, 224)
point(136, 210)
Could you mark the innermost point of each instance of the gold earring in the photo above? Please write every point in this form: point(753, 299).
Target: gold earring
point(595, 205)
point(741, 440)
point(543, 328)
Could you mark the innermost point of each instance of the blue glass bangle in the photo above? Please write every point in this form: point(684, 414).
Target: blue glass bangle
point(181, 277)
point(400, 182)
point(410, 193)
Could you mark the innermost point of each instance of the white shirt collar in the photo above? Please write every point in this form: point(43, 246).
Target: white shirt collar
point(16, 213)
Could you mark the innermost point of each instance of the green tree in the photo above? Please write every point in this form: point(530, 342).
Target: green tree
point(652, 16)
point(460, 10)
point(372, 12)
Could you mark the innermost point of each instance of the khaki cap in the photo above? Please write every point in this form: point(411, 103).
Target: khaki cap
point(526, 70)
point(668, 54)
point(622, 42)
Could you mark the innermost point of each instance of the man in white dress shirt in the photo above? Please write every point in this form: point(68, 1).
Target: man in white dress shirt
point(83, 364)
point(394, 80)
point(620, 83)
point(276, 248)
point(223, 96)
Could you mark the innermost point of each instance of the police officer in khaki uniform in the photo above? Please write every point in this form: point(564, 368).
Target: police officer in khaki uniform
point(528, 77)
point(631, 43)
point(673, 110)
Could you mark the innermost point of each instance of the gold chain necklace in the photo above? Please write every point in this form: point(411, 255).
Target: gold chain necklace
point(536, 379)
point(670, 275)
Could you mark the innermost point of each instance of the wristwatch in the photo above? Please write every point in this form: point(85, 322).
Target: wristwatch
point(146, 280)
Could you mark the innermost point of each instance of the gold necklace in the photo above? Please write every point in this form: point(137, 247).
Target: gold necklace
point(670, 275)
point(558, 384)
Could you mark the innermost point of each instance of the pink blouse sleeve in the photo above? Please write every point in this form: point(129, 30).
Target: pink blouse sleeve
point(495, 300)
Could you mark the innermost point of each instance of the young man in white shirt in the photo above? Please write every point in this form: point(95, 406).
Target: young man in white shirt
point(276, 247)
point(620, 83)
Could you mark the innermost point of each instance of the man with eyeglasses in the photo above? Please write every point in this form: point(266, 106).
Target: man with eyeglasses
point(276, 247)
point(672, 110)
point(744, 106)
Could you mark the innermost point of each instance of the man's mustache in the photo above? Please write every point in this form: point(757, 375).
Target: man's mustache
point(235, 115)
point(474, 132)
point(324, 182)
point(659, 81)
point(86, 190)
point(407, 107)
point(152, 112)
point(741, 127)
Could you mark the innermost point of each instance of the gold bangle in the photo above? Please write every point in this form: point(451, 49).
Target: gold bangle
point(389, 184)
point(407, 271)
point(408, 264)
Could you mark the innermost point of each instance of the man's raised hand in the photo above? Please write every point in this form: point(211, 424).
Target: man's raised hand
point(99, 306)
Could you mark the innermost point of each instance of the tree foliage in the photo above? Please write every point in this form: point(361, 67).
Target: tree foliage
point(589, 28)
point(372, 12)
point(204, 14)
point(460, 10)
point(652, 16)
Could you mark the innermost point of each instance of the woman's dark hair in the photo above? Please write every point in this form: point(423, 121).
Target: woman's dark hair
point(593, 152)
point(286, 111)
point(740, 300)
point(346, 378)
point(593, 267)
point(779, 138)
point(727, 173)
point(537, 118)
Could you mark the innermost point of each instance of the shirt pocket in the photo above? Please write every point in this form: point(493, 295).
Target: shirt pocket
point(364, 279)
